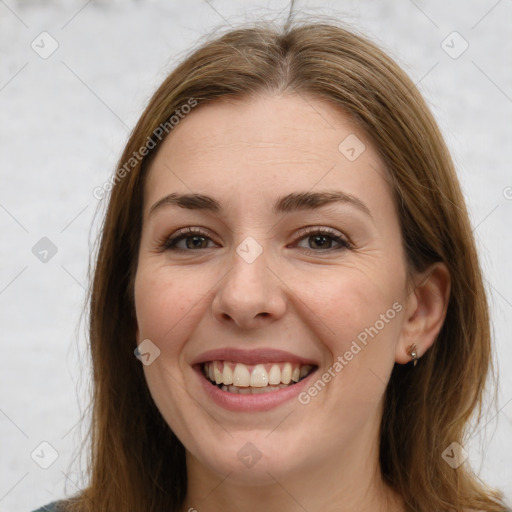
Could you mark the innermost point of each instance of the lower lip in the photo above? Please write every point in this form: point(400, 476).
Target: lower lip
point(254, 403)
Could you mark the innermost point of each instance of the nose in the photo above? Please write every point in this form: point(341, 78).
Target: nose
point(250, 295)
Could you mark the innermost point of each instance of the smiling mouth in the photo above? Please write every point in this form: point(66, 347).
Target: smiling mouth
point(255, 379)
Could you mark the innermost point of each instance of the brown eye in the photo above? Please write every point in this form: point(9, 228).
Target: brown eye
point(321, 240)
point(193, 239)
point(196, 242)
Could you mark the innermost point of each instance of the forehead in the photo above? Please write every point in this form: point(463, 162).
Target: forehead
point(265, 144)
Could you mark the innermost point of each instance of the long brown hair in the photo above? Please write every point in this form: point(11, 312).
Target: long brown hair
point(136, 462)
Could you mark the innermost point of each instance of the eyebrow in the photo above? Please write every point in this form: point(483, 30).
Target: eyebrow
point(295, 201)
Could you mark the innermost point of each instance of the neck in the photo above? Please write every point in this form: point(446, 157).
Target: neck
point(350, 481)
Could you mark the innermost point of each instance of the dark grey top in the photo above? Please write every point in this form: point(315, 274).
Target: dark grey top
point(51, 507)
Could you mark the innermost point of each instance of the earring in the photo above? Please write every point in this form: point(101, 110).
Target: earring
point(411, 350)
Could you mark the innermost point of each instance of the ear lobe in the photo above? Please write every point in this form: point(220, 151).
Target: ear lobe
point(425, 312)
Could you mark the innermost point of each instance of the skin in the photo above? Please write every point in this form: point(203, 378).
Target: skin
point(246, 154)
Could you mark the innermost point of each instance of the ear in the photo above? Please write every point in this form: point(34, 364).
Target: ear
point(425, 312)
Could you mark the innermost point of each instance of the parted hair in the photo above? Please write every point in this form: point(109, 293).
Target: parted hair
point(135, 462)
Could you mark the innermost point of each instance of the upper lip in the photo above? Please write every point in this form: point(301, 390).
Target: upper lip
point(251, 356)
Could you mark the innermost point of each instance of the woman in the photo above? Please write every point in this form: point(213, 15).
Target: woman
point(287, 310)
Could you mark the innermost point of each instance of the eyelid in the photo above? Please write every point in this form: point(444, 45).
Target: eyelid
point(321, 229)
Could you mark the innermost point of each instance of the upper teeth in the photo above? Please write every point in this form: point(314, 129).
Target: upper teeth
point(257, 376)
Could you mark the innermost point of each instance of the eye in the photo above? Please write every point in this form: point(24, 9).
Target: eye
point(319, 238)
point(193, 239)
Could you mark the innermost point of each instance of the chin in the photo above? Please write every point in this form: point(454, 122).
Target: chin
point(254, 458)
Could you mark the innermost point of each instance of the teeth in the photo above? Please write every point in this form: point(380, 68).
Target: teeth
point(260, 378)
point(304, 370)
point(217, 373)
point(286, 373)
point(241, 376)
point(274, 377)
point(252, 391)
point(227, 375)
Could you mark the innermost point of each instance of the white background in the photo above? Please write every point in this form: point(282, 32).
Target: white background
point(64, 121)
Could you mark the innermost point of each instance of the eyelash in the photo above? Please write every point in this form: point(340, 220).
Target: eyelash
point(169, 243)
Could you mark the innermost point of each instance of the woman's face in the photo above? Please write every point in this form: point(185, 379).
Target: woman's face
point(266, 278)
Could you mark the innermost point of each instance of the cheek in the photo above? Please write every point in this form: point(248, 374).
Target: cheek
point(352, 302)
point(166, 305)
point(361, 321)
point(168, 308)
